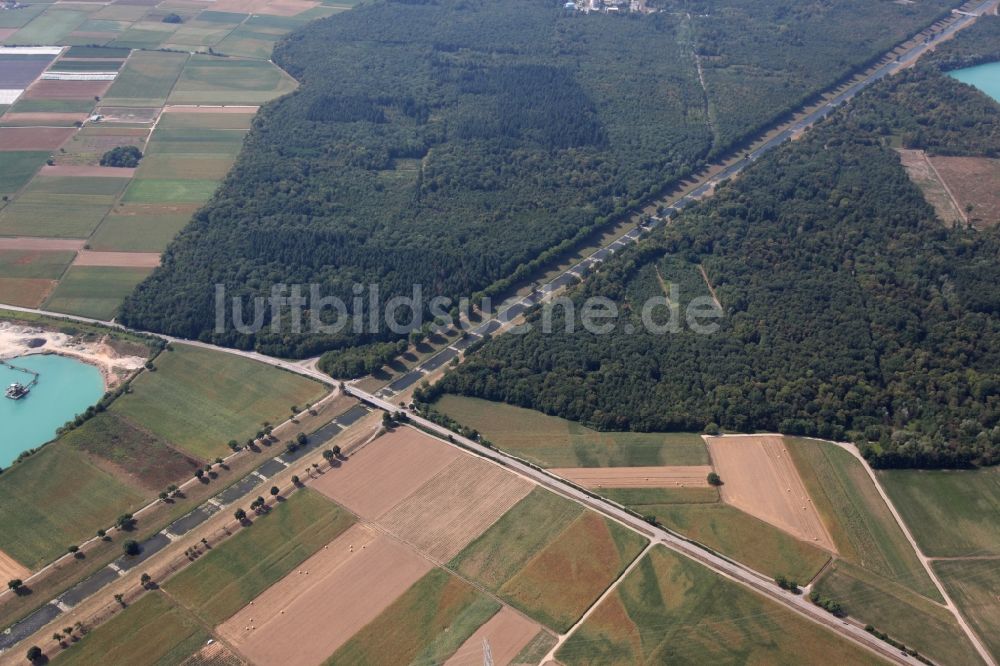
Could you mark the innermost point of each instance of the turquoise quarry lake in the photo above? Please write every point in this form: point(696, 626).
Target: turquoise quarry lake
point(985, 77)
point(66, 387)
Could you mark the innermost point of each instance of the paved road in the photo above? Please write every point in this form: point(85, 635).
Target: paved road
point(849, 629)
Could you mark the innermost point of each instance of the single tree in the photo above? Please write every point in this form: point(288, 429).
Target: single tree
point(336, 451)
point(240, 515)
point(131, 547)
point(328, 455)
point(295, 480)
point(714, 479)
point(15, 584)
point(34, 654)
point(274, 491)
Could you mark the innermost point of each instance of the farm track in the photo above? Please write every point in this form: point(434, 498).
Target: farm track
point(849, 630)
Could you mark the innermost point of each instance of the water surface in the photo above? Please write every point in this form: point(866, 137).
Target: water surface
point(66, 387)
point(985, 77)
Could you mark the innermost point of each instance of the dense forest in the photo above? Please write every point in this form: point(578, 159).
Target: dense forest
point(459, 144)
point(850, 310)
point(975, 45)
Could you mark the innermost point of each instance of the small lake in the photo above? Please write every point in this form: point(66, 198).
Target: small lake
point(985, 77)
point(66, 387)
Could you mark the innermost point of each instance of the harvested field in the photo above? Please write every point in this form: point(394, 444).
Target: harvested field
point(694, 476)
point(508, 633)
point(11, 568)
point(41, 244)
point(423, 626)
point(124, 259)
point(86, 171)
point(455, 507)
point(385, 472)
point(353, 580)
point(235, 572)
point(923, 175)
point(43, 89)
point(760, 478)
point(42, 119)
point(33, 138)
point(188, 108)
point(215, 654)
point(52, 219)
point(972, 181)
point(25, 292)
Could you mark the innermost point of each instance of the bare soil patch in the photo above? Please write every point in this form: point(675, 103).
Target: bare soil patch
point(41, 244)
point(49, 89)
point(455, 507)
point(11, 568)
point(919, 169)
point(508, 633)
point(33, 138)
point(695, 476)
point(25, 292)
point(125, 259)
point(302, 619)
point(126, 114)
point(215, 654)
point(386, 471)
point(760, 478)
point(973, 182)
point(84, 171)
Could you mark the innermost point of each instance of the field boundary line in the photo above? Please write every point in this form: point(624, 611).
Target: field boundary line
point(924, 561)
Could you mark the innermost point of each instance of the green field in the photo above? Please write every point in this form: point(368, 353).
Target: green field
point(96, 52)
point(94, 291)
point(209, 80)
point(177, 120)
point(859, 521)
point(896, 610)
point(67, 189)
point(17, 168)
point(134, 229)
point(235, 572)
point(34, 265)
point(425, 625)
point(147, 79)
point(182, 169)
point(49, 27)
point(54, 106)
point(743, 538)
point(551, 441)
point(549, 558)
point(671, 610)
point(196, 141)
point(952, 513)
point(86, 66)
point(146, 191)
point(21, 17)
point(973, 586)
point(144, 36)
point(150, 631)
point(55, 219)
point(636, 497)
point(199, 399)
point(55, 498)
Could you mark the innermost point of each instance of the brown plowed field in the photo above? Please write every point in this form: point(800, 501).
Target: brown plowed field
point(303, 618)
point(973, 181)
point(11, 568)
point(759, 477)
point(43, 89)
point(508, 632)
point(33, 138)
point(386, 471)
point(42, 118)
point(87, 171)
point(636, 477)
point(123, 259)
point(25, 292)
point(455, 507)
point(41, 244)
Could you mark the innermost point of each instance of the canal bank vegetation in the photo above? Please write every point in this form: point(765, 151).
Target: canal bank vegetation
point(851, 312)
point(457, 145)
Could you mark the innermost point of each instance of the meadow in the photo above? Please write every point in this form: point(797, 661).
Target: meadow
point(551, 441)
point(94, 291)
point(17, 168)
point(896, 610)
point(146, 79)
point(951, 513)
point(672, 610)
point(425, 625)
point(235, 572)
point(549, 558)
point(973, 585)
point(199, 399)
point(860, 523)
point(150, 631)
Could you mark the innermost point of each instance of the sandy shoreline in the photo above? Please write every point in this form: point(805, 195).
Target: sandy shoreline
point(23, 340)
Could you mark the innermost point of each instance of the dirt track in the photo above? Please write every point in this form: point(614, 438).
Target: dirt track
point(386, 471)
point(455, 507)
point(508, 632)
point(636, 477)
point(302, 619)
point(760, 478)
